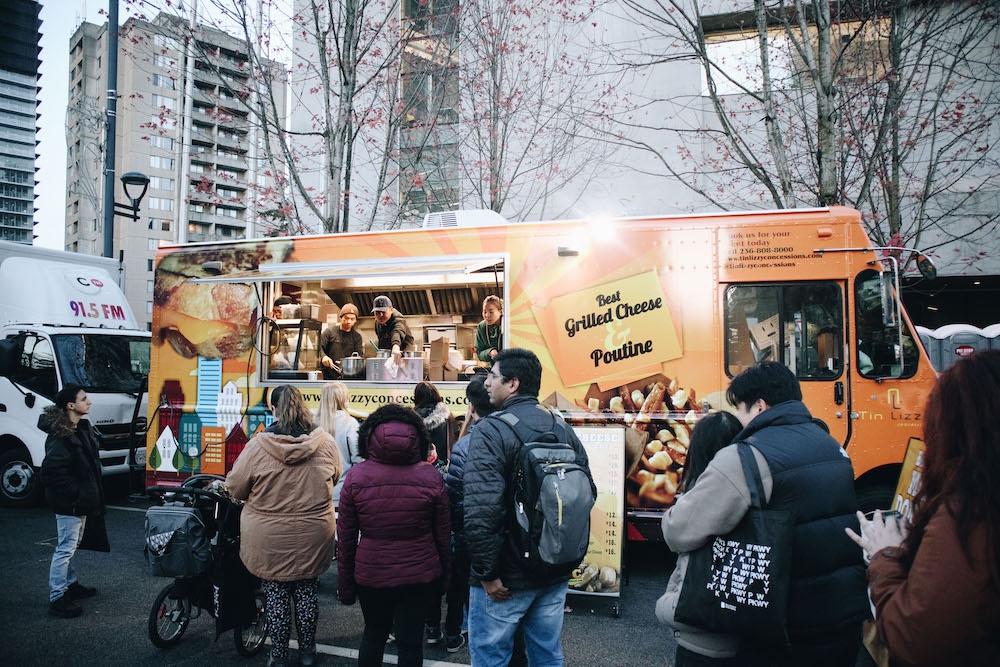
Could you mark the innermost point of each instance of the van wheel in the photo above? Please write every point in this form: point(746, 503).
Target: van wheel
point(875, 497)
point(19, 482)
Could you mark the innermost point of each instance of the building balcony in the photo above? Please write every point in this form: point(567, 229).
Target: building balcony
point(203, 217)
point(231, 160)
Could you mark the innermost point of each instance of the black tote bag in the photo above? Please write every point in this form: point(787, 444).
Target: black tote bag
point(738, 583)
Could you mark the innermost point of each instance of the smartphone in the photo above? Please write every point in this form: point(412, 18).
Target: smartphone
point(886, 514)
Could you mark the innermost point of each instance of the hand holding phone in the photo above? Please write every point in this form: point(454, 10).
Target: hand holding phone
point(878, 533)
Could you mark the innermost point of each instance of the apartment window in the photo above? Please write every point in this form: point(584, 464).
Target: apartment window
point(195, 228)
point(161, 142)
point(161, 183)
point(165, 225)
point(227, 212)
point(150, 244)
point(163, 121)
point(73, 228)
point(161, 204)
point(163, 81)
point(225, 231)
point(157, 162)
point(197, 169)
point(159, 60)
point(149, 265)
point(149, 307)
point(149, 287)
point(164, 102)
point(196, 208)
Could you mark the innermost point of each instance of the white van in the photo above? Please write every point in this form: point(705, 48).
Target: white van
point(64, 320)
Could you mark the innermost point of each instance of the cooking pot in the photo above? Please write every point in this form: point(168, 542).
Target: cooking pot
point(353, 366)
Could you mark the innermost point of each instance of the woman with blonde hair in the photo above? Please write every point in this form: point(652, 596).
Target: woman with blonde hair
point(333, 417)
point(286, 476)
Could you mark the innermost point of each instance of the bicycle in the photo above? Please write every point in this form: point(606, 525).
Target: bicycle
point(203, 559)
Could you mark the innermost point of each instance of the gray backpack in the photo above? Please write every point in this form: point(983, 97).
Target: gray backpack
point(552, 496)
point(178, 544)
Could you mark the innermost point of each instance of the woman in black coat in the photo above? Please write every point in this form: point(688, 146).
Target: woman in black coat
point(71, 473)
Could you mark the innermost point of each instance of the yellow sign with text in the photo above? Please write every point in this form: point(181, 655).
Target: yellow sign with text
point(909, 479)
point(615, 329)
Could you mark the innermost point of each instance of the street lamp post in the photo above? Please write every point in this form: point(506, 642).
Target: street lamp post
point(131, 182)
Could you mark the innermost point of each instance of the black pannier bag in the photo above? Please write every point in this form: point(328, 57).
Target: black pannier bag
point(178, 543)
point(738, 583)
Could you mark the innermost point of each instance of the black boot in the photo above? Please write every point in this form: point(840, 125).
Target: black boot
point(65, 608)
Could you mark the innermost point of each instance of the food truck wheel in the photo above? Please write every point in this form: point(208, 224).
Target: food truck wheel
point(19, 482)
point(875, 497)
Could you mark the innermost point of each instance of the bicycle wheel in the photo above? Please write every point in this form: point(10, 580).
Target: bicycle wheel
point(250, 638)
point(168, 619)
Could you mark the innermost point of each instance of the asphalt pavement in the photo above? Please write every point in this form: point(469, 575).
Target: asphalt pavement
point(113, 628)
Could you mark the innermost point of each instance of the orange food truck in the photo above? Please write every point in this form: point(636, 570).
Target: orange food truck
point(640, 324)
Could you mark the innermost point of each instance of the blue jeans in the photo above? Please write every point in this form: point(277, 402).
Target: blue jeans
point(61, 573)
point(492, 626)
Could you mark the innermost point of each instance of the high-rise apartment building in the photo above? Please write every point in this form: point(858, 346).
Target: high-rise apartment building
point(19, 61)
point(210, 186)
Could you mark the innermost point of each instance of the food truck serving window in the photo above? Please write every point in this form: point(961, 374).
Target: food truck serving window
point(437, 297)
point(799, 324)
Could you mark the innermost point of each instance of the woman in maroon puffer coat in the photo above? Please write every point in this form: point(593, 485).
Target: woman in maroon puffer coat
point(393, 534)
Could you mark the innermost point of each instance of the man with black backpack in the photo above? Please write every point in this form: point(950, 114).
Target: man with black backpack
point(528, 495)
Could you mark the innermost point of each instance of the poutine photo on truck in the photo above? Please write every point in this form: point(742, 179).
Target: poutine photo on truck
point(640, 325)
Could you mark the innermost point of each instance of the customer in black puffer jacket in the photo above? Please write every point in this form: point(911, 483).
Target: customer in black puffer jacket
point(803, 471)
point(504, 592)
point(71, 473)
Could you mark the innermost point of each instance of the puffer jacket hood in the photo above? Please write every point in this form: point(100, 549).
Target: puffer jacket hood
point(291, 449)
point(394, 435)
point(56, 423)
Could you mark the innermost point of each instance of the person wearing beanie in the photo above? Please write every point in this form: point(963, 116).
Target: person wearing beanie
point(390, 327)
point(340, 342)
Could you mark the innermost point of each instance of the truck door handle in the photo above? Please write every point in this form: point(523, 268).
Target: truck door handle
point(838, 393)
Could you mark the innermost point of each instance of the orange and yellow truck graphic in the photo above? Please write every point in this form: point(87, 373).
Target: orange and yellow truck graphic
point(640, 324)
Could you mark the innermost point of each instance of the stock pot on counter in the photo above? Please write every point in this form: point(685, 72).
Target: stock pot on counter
point(353, 367)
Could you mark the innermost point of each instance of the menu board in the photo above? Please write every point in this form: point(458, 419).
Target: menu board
point(600, 572)
point(909, 479)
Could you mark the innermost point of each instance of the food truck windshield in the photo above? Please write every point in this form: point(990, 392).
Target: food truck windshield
point(440, 300)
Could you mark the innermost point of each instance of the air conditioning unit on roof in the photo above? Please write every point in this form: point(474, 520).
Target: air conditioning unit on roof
point(473, 218)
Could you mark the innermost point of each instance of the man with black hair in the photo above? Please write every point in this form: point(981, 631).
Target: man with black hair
point(533, 597)
point(806, 472)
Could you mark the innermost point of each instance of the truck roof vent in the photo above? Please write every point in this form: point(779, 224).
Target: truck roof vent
point(473, 218)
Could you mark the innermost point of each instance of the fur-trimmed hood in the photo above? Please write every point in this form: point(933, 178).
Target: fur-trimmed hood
point(394, 435)
point(440, 414)
point(56, 423)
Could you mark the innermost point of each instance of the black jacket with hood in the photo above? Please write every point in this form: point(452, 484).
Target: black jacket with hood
point(487, 483)
point(71, 470)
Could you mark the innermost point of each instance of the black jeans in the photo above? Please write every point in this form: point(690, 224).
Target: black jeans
point(401, 608)
point(458, 592)
point(686, 658)
point(839, 649)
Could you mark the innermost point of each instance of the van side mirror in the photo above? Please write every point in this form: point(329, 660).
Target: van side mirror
point(29, 400)
point(926, 267)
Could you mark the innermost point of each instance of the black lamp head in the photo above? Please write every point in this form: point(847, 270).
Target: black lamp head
point(132, 180)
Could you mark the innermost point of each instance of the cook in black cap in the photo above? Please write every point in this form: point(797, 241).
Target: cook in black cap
point(390, 327)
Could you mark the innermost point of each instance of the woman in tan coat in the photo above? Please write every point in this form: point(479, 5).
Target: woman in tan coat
point(286, 475)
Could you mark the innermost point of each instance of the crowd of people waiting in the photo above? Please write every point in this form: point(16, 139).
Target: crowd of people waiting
point(929, 588)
